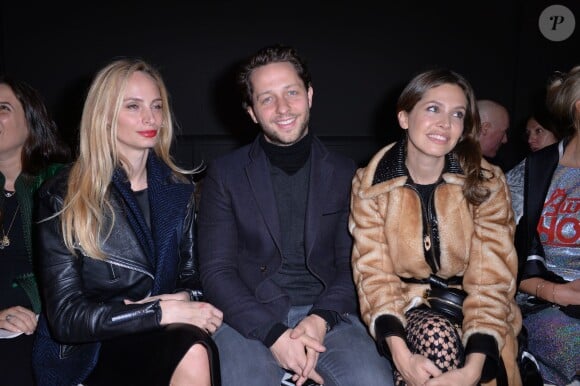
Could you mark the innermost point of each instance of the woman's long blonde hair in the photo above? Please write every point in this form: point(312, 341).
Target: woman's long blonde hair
point(86, 203)
point(562, 94)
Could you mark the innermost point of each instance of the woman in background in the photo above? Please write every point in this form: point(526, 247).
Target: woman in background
point(548, 240)
point(30, 152)
point(541, 131)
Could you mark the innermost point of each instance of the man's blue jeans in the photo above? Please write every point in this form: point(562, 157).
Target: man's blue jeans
point(350, 359)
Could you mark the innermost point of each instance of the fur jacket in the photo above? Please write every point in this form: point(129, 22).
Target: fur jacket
point(475, 242)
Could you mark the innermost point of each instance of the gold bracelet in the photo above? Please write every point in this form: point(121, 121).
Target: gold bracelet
point(539, 287)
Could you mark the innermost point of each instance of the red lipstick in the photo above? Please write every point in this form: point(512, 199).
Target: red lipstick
point(148, 133)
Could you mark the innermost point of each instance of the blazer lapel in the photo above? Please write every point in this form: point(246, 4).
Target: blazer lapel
point(258, 173)
point(320, 181)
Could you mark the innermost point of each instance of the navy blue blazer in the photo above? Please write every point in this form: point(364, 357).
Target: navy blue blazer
point(239, 237)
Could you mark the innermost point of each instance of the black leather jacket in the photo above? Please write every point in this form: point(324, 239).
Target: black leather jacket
point(84, 296)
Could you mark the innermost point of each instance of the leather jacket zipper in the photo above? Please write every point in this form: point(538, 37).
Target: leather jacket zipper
point(427, 225)
point(429, 237)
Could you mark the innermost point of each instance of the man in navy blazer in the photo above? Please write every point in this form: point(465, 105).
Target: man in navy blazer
point(274, 246)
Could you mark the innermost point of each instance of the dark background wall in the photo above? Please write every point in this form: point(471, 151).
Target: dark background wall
point(361, 53)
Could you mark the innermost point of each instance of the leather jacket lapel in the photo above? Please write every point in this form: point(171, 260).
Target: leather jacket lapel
point(135, 217)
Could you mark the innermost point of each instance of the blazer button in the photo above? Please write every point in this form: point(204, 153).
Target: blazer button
point(263, 268)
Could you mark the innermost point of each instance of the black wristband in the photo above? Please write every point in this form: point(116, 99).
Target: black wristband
point(275, 332)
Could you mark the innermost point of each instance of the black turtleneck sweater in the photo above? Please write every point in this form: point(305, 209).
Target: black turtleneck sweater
point(290, 172)
point(288, 158)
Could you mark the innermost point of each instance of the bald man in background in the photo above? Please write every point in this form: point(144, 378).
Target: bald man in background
point(495, 121)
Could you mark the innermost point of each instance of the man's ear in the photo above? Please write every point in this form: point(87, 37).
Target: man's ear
point(250, 111)
point(484, 128)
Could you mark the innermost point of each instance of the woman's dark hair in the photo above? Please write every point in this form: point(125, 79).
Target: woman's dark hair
point(270, 54)
point(43, 145)
point(467, 149)
point(545, 119)
point(543, 116)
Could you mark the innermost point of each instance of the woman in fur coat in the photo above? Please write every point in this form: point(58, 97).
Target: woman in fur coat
point(429, 211)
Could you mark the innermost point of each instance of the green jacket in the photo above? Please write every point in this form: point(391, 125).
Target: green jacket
point(26, 187)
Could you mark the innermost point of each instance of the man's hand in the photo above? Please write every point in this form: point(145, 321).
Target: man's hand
point(314, 327)
point(297, 351)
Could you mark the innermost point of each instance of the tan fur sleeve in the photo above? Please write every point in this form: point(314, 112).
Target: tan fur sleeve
point(378, 287)
point(490, 278)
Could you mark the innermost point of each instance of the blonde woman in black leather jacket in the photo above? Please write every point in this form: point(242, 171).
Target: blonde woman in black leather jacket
point(117, 267)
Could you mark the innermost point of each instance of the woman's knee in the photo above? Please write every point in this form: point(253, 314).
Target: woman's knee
point(194, 367)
